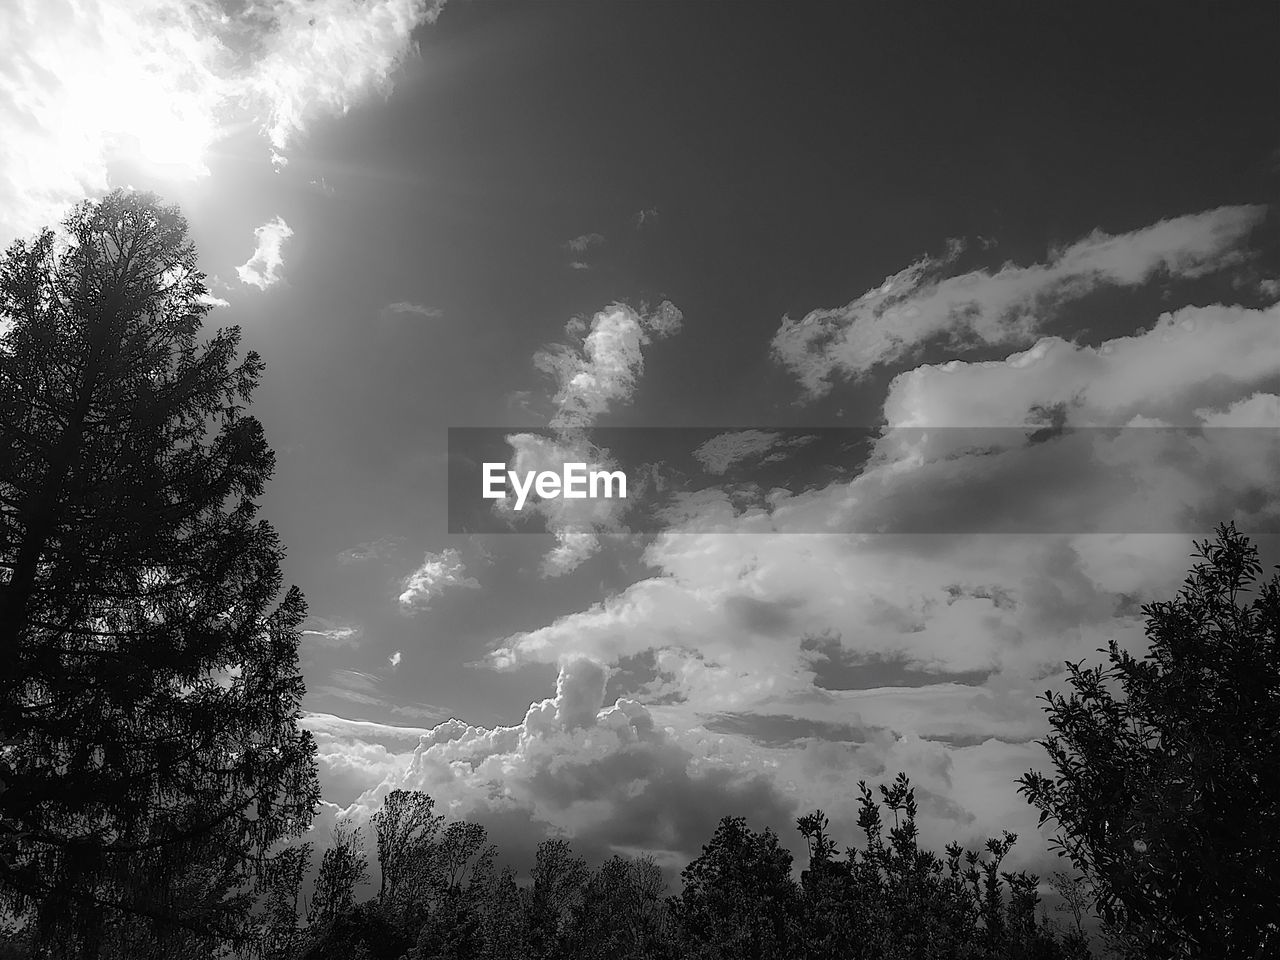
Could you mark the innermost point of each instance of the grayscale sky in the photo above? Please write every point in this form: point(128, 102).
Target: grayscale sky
point(427, 215)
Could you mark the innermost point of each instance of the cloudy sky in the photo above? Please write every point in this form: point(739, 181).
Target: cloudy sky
point(756, 219)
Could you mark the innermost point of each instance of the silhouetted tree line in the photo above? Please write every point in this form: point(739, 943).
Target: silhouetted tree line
point(155, 788)
point(442, 898)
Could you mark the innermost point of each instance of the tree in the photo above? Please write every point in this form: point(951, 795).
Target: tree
point(503, 926)
point(1166, 789)
point(279, 936)
point(558, 877)
point(739, 900)
point(892, 900)
point(454, 875)
point(405, 824)
point(150, 694)
point(622, 914)
point(343, 867)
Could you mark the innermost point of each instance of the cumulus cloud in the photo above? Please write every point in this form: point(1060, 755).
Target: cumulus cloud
point(607, 775)
point(923, 303)
point(1186, 360)
point(351, 754)
point(262, 270)
point(727, 625)
point(598, 367)
point(158, 82)
point(603, 361)
point(576, 524)
point(726, 594)
point(437, 573)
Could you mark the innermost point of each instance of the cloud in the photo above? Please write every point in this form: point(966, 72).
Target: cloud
point(724, 450)
point(383, 548)
point(262, 270)
point(599, 367)
point(351, 754)
point(607, 775)
point(331, 725)
point(212, 301)
point(726, 591)
point(588, 241)
point(329, 633)
point(437, 573)
point(404, 308)
point(83, 83)
point(922, 304)
point(603, 362)
point(732, 622)
point(422, 712)
point(323, 56)
point(355, 686)
point(159, 82)
point(576, 524)
point(1186, 360)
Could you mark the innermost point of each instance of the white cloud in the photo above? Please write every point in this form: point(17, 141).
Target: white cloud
point(437, 573)
point(599, 366)
point(725, 621)
point(324, 55)
point(331, 725)
point(82, 83)
point(262, 270)
point(212, 301)
point(1187, 358)
point(352, 754)
point(732, 595)
point(602, 367)
point(158, 82)
point(576, 524)
point(331, 634)
point(607, 775)
point(921, 304)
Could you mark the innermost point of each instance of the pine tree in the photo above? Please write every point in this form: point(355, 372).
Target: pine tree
point(150, 690)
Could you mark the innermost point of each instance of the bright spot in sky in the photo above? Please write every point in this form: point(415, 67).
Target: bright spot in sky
point(155, 83)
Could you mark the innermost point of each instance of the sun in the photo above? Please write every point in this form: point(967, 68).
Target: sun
point(144, 82)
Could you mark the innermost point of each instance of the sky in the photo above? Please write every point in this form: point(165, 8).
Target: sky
point(740, 223)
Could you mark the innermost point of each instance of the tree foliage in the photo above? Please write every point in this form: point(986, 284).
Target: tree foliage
point(149, 749)
point(740, 900)
point(1166, 788)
